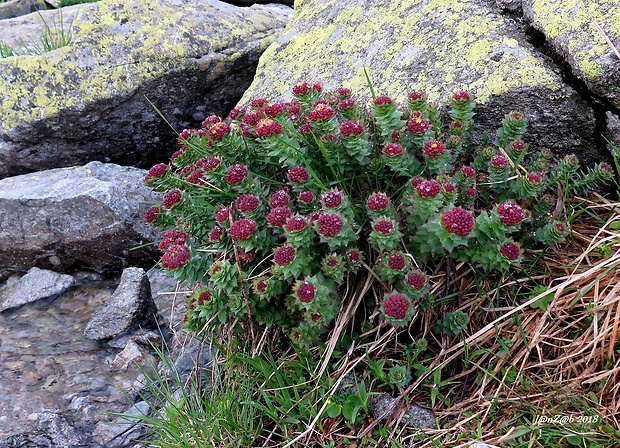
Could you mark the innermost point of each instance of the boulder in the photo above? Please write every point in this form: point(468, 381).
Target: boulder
point(569, 27)
point(437, 47)
point(32, 26)
point(15, 8)
point(96, 98)
point(35, 285)
point(89, 216)
point(130, 307)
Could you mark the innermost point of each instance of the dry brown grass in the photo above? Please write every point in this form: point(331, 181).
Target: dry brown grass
point(566, 354)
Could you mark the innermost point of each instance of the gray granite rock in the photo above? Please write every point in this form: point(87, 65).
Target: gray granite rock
point(15, 8)
point(416, 415)
point(130, 307)
point(87, 216)
point(439, 47)
point(93, 99)
point(51, 430)
point(35, 285)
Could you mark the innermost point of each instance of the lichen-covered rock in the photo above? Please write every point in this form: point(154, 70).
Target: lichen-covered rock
point(436, 46)
point(90, 100)
point(89, 216)
point(568, 26)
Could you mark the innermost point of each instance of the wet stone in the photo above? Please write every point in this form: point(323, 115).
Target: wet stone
point(130, 307)
point(37, 284)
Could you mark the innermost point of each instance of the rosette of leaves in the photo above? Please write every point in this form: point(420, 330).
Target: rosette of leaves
point(453, 323)
point(399, 376)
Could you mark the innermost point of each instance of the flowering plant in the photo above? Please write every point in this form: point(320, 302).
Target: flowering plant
point(275, 209)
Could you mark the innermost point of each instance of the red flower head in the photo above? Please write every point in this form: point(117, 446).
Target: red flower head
point(204, 297)
point(468, 171)
point(535, 178)
point(236, 112)
point(428, 188)
point(499, 161)
point(418, 125)
point(383, 226)
point(331, 199)
point(298, 174)
point(377, 202)
point(383, 99)
point(236, 174)
point(267, 127)
point(330, 225)
point(171, 198)
point(449, 188)
point(393, 150)
point(172, 237)
point(252, 117)
point(185, 134)
point(215, 234)
point(209, 164)
point(354, 256)
point(461, 96)
point(258, 103)
point(247, 203)
point(175, 256)
point(396, 306)
point(305, 128)
point(278, 216)
point(176, 154)
point(345, 104)
point(301, 89)
point(344, 92)
point(510, 251)
point(396, 262)
point(151, 214)
point(260, 286)
point(306, 197)
point(279, 198)
point(414, 96)
point(306, 292)
point(510, 213)
point(351, 127)
point(433, 148)
point(157, 171)
point(218, 130)
point(284, 255)
point(242, 229)
point(458, 221)
point(196, 177)
point(293, 109)
point(518, 145)
point(416, 280)
point(210, 120)
point(222, 214)
point(273, 110)
point(296, 224)
point(321, 112)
